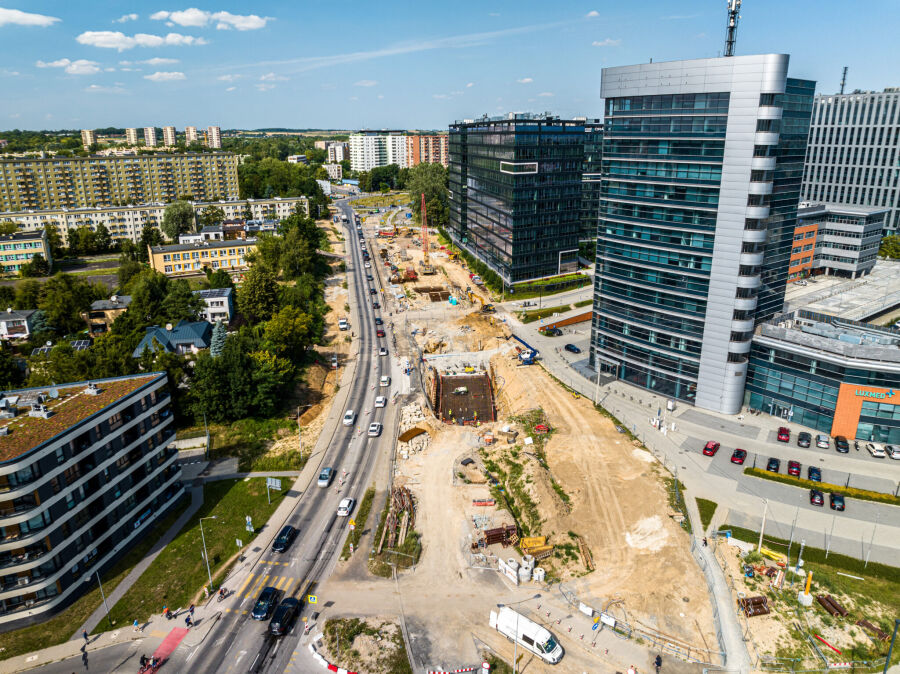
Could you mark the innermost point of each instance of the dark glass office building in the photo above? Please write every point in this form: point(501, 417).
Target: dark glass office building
point(590, 178)
point(516, 193)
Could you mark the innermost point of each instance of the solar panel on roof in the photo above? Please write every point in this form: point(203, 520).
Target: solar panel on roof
point(81, 344)
point(40, 350)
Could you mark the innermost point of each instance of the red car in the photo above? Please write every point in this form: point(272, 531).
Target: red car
point(711, 448)
point(784, 435)
point(379, 333)
point(738, 456)
point(794, 468)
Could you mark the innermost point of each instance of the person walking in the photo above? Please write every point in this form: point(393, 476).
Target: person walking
point(137, 626)
point(85, 635)
point(191, 610)
point(658, 661)
point(187, 621)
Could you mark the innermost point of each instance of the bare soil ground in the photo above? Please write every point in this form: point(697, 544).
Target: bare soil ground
point(371, 645)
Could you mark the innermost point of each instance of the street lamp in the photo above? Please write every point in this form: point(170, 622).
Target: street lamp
point(516, 640)
point(205, 554)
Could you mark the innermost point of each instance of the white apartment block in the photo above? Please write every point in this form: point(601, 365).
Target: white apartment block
point(88, 137)
point(169, 136)
point(337, 152)
point(371, 149)
point(321, 144)
point(214, 137)
point(127, 222)
point(334, 171)
point(190, 135)
point(150, 136)
point(131, 136)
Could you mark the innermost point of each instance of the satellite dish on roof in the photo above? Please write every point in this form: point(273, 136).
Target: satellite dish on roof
point(49, 343)
point(53, 393)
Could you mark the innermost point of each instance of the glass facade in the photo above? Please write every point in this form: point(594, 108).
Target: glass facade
point(590, 176)
point(516, 193)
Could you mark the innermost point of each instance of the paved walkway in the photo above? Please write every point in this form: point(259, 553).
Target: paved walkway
point(91, 623)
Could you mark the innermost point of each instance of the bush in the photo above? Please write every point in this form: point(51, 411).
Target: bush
point(852, 492)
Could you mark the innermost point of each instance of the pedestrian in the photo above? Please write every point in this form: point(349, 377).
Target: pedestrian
point(85, 635)
point(136, 625)
point(705, 542)
point(191, 610)
point(187, 621)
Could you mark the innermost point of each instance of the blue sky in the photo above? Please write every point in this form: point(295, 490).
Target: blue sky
point(351, 64)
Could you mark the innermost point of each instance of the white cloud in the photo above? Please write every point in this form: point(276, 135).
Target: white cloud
point(592, 14)
point(525, 80)
point(264, 87)
point(380, 96)
point(230, 88)
point(6, 72)
point(165, 77)
point(109, 70)
point(608, 42)
point(440, 97)
point(470, 85)
point(546, 94)
point(78, 67)
point(19, 18)
point(113, 39)
point(130, 70)
point(100, 89)
point(229, 78)
point(159, 61)
point(272, 77)
point(365, 83)
point(198, 18)
point(353, 98)
point(127, 17)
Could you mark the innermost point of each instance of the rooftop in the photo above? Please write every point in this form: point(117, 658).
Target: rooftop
point(67, 405)
point(213, 292)
point(843, 209)
point(872, 295)
point(22, 236)
point(114, 302)
point(16, 314)
point(179, 247)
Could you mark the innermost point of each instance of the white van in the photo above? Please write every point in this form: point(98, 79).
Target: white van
point(531, 636)
point(385, 381)
point(343, 324)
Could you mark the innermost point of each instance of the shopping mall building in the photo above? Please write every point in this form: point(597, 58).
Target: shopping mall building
point(837, 376)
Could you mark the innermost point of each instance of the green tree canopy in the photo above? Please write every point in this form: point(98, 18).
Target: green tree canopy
point(63, 299)
point(211, 216)
point(8, 227)
point(289, 332)
point(157, 300)
point(430, 180)
point(257, 298)
point(890, 247)
point(218, 278)
point(36, 266)
point(178, 218)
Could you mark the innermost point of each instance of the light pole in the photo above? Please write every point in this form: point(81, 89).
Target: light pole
point(516, 639)
point(205, 554)
point(887, 660)
point(87, 579)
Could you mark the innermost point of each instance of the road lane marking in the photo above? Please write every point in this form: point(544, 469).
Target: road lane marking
point(246, 583)
point(257, 585)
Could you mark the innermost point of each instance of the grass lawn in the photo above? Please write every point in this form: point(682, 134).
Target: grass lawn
point(538, 314)
point(379, 201)
point(178, 574)
point(707, 510)
point(59, 628)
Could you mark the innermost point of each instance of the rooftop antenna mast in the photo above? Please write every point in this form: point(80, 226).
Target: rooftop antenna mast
point(843, 80)
point(734, 7)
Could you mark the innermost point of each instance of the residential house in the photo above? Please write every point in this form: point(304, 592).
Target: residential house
point(218, 304)
point(186, 337)
point(104, 312)
point(16, 324)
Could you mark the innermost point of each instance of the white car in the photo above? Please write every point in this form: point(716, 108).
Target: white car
point(892, 451)
point(349, 417)
point(368, 265)
point(380, 401)
point(345, 507)
point(382, 351)
point(384, 381)
point(877, 451)
point(374, 429)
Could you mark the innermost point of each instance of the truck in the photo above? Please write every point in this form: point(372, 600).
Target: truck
point(527, 633)
point(528, 354)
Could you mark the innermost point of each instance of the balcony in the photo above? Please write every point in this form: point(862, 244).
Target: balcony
point(751, 259)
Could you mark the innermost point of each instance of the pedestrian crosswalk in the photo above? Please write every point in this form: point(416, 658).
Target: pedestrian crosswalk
point(255, 582)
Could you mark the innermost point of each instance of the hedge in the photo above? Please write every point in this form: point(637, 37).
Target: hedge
point(852, 492)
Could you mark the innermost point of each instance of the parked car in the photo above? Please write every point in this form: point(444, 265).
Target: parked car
point(571, 348)
point(380, 401)
point(738, 456)
point(804, 439)
point(773, 465)
point(823, 441)
point(345, 507)
point(268, 598)
point(284, 617)
point(813, 474)
point(284, 539)
point(836, 501)
point(326, 476)
point(711, 448)
point(794, 468)
point(841, 444)
point(349, 418)
point(816, 497)
point(876, 450)
point(784, 434)
point(375, 429)
point(368, 277)
point(372, 291)
point(893, 451)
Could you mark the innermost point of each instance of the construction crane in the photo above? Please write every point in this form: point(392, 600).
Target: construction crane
point(734, 7)
point(426, 258)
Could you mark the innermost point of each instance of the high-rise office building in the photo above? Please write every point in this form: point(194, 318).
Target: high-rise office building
point(214, 137)
point(169, 136)
point(150, 136)
point(370, 149)
point(85, 182)
point(853, 152)
point(516, 193)
point(590, 178)
point(699, 194)
point(190, 135)
point(88, 138)
point(431, 149)
point(131, 136)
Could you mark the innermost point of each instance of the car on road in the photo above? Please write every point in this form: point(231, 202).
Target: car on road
point(376, 305)
point(369, 277)
point(349, 418)
point(711, 448)
point(876, 450)
point(367, 265)
point(326, 476)
point(375, 429)
point(382, 351)
point(379, 333)
point(813, 474)
point(841, 444)
point(372, 291)
point(823, 441)
point(284, 617)
point(284, 539)
point(380, 401)
point(784, 434)
point(794, 468)
point(345, 507)
point(893, 451)
point(384, 381)
point(268, 598)
point(816, 497)
point(836, 501)
point(738, 456)
point(571, 348)
point(378, 321)
point(804, 439)
point(773, 465)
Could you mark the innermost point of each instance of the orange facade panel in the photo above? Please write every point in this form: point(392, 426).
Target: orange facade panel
point(849, 406)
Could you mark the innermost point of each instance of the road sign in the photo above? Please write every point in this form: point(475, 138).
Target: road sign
point(595, 626)
point(312, 599)
point(250, 528)
point(352, 523)
point(239, 542)
point(274, 483)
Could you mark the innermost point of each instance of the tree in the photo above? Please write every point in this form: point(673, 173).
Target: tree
point(218, 278)
point(430, 180)
point(156, 300)
point(102, 239)
point(211, 216)
point(11, 375)
point(8, 227)
point(217, 343)
point(150, 237)
point(890, 247)
point(247, 213)
point(289, 333)
point(28, 294)
point(54, 240)
point(128, 269)
point(63, 299)
point(36, 266)
point(178, 218)
point(7, 297)
point(257, 298)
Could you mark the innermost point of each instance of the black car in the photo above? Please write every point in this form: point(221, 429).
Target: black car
point(368, 277)
point(813, 474)
point(804, 439)
point(268, 598)
point(376, 305)
point(773, 465)
point(372, 291)
point(285, 538)
point(284, 617)
point(571, 348)
point(841, 444)
point(378, 321)
point(836, 501)
point(816, 497)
